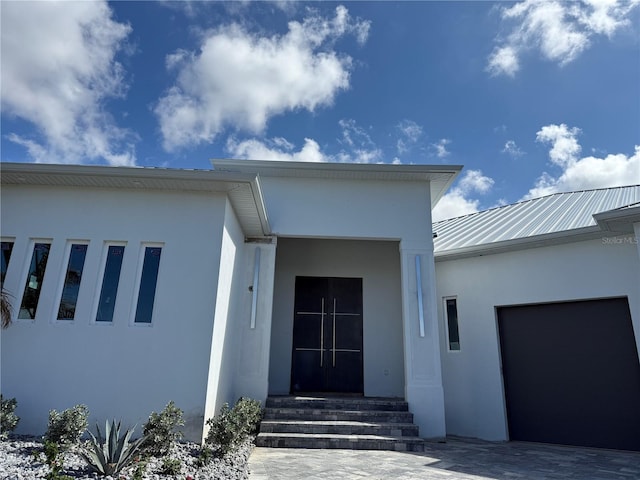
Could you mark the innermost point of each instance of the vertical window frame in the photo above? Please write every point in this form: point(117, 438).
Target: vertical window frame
point(447, 329)
point(11, 241)
point(63, 281)
point(138, 284)
point(100, 284)
point(33, 242)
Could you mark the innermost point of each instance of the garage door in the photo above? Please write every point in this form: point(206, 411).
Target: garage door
point(571, 373)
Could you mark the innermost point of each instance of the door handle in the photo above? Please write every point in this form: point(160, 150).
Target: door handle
point(334, 332)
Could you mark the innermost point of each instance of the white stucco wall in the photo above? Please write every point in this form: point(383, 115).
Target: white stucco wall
point(473, 386)
point(378, 264)
point(252, 352)
point(220, 384)
point(118, 370)
point(310, 207)
point(340, 208)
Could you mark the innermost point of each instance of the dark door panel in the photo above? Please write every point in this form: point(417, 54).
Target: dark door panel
point(327, 335)
point(571, 373)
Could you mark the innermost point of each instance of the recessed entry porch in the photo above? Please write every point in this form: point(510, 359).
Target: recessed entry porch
point(337, 318)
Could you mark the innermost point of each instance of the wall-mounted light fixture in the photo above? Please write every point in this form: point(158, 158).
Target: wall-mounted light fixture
point(254, 287)
point(419, 288)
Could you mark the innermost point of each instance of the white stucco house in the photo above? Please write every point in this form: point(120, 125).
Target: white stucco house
point(136, 286)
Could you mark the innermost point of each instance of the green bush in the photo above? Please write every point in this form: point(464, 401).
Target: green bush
point(8, 419)
point(162, 431)
point(171, 466)
point(249, 413)
point(66, 428)
point(231, 426)
point(53, 460)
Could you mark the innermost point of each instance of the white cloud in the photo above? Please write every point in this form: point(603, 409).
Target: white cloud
point(58, 69)
point(458, 201)
point(282, 150)
point(504, 60)
point(560, 31)
point(410, 133)
point(353, 134)
point(441, 147)
point(577, 173)
point(238, 79)
point(359, 148)
point(512, 149)
point(565, 148)
point(274, 149)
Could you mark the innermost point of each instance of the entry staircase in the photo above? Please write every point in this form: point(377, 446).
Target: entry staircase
point(355, 423)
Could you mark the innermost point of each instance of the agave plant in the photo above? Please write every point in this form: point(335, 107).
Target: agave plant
point(109, 455)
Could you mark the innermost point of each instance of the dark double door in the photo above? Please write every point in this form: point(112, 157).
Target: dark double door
point(327, 335)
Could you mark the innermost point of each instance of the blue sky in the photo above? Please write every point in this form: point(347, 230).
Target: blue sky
point(531, 97)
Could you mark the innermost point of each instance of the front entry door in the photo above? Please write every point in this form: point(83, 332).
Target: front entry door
point(327, 335)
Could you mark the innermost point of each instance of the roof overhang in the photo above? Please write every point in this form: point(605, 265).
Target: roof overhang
point(242, 189)
point(439, 176)
point(620, 220)
point(546, 240)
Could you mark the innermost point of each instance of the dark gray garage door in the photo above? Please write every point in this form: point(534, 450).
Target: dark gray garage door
point(571, 373)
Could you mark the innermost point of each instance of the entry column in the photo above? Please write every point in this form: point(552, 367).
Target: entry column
point(252, 379)
point(423, 372)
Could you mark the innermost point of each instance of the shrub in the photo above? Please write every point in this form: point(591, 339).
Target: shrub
point(231, 426)
point(109, 455)
point(53, 460)
point(8, 419)
point(171, 466)
point(249, 414)
point(205, 456)
point(67, 427)
point(162, 431)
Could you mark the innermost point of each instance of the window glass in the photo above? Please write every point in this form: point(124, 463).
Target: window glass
point(148, 281)
point(67, 309)
point(110, 281)
point(5, 255)
point(35, 275)
point(452, 324)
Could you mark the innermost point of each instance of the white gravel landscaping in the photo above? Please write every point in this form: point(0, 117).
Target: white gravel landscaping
point(22, 458)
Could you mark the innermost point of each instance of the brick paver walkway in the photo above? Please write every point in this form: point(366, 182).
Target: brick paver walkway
point(456, 459)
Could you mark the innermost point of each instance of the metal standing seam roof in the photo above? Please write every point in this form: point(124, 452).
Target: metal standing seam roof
point(538, 218)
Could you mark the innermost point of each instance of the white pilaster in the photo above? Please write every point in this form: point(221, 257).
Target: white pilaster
point(252, 379)
point(423, 373)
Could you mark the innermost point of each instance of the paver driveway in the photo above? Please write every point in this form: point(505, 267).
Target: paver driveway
point(455, 459)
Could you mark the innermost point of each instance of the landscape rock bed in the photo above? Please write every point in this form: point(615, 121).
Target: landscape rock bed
point(21, 458)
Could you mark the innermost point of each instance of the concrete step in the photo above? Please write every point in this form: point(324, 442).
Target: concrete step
point(338, 403)
point(372, 416)
point(339, 427)
point(350, 442)
point(355, 423)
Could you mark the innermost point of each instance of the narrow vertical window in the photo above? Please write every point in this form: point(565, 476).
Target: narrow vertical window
point(67, 308)
point(35, 275)
point(5, 255)
point(453, 335)
point(148, 282)
point(110, 281)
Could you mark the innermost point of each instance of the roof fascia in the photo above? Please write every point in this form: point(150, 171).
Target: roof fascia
point(186, 180)
point(619, 220)
point(555, 238)
point(440, 177)
point(256, 190)
point(10, 170)
point(283, 168)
